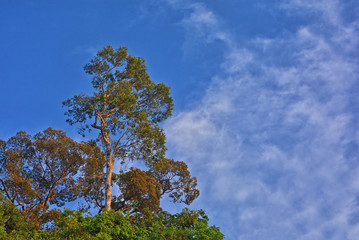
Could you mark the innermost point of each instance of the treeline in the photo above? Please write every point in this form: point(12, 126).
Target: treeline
point(189, 224)
point(39, 174)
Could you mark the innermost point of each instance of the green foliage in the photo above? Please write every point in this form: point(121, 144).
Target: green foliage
point(76, 225)
point(125, 107)
point(189, 224)
point(15, 226)
point(108, 225)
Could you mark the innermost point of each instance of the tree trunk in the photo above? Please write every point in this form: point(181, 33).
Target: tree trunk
point(109, 168)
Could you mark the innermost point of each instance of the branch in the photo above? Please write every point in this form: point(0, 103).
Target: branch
point(54, 184)
point(5, 188)
point(114, 109)
point(69, 188)
point(121, 138)
point(94, 125)
point(103, 121)
point(99, 205)
point(128, 143)
point(47, 164)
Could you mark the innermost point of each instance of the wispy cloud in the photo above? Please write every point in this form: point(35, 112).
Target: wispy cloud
point(201, 25)
point(274, 140)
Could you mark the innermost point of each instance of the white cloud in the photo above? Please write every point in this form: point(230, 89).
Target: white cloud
point(271, 142)
point(237, 60)
point(200, 24)
point(328, 9)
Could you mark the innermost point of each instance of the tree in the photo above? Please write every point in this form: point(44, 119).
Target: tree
point(175, 179)
point(48, 168)
point(126, 108)
point(140, 193)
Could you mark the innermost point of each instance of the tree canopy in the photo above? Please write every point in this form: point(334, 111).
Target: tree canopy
point(42, 173)
point(75, 225)
point(46, 169)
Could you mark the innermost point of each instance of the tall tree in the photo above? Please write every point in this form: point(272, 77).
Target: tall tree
point(48, 168)
point(125, 108)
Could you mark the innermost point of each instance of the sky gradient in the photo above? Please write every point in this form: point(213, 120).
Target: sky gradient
point(265, 92)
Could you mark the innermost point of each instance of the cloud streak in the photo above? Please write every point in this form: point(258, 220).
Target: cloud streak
point(274, 140)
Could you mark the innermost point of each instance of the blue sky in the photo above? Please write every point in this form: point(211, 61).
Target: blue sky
point(266, 102)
